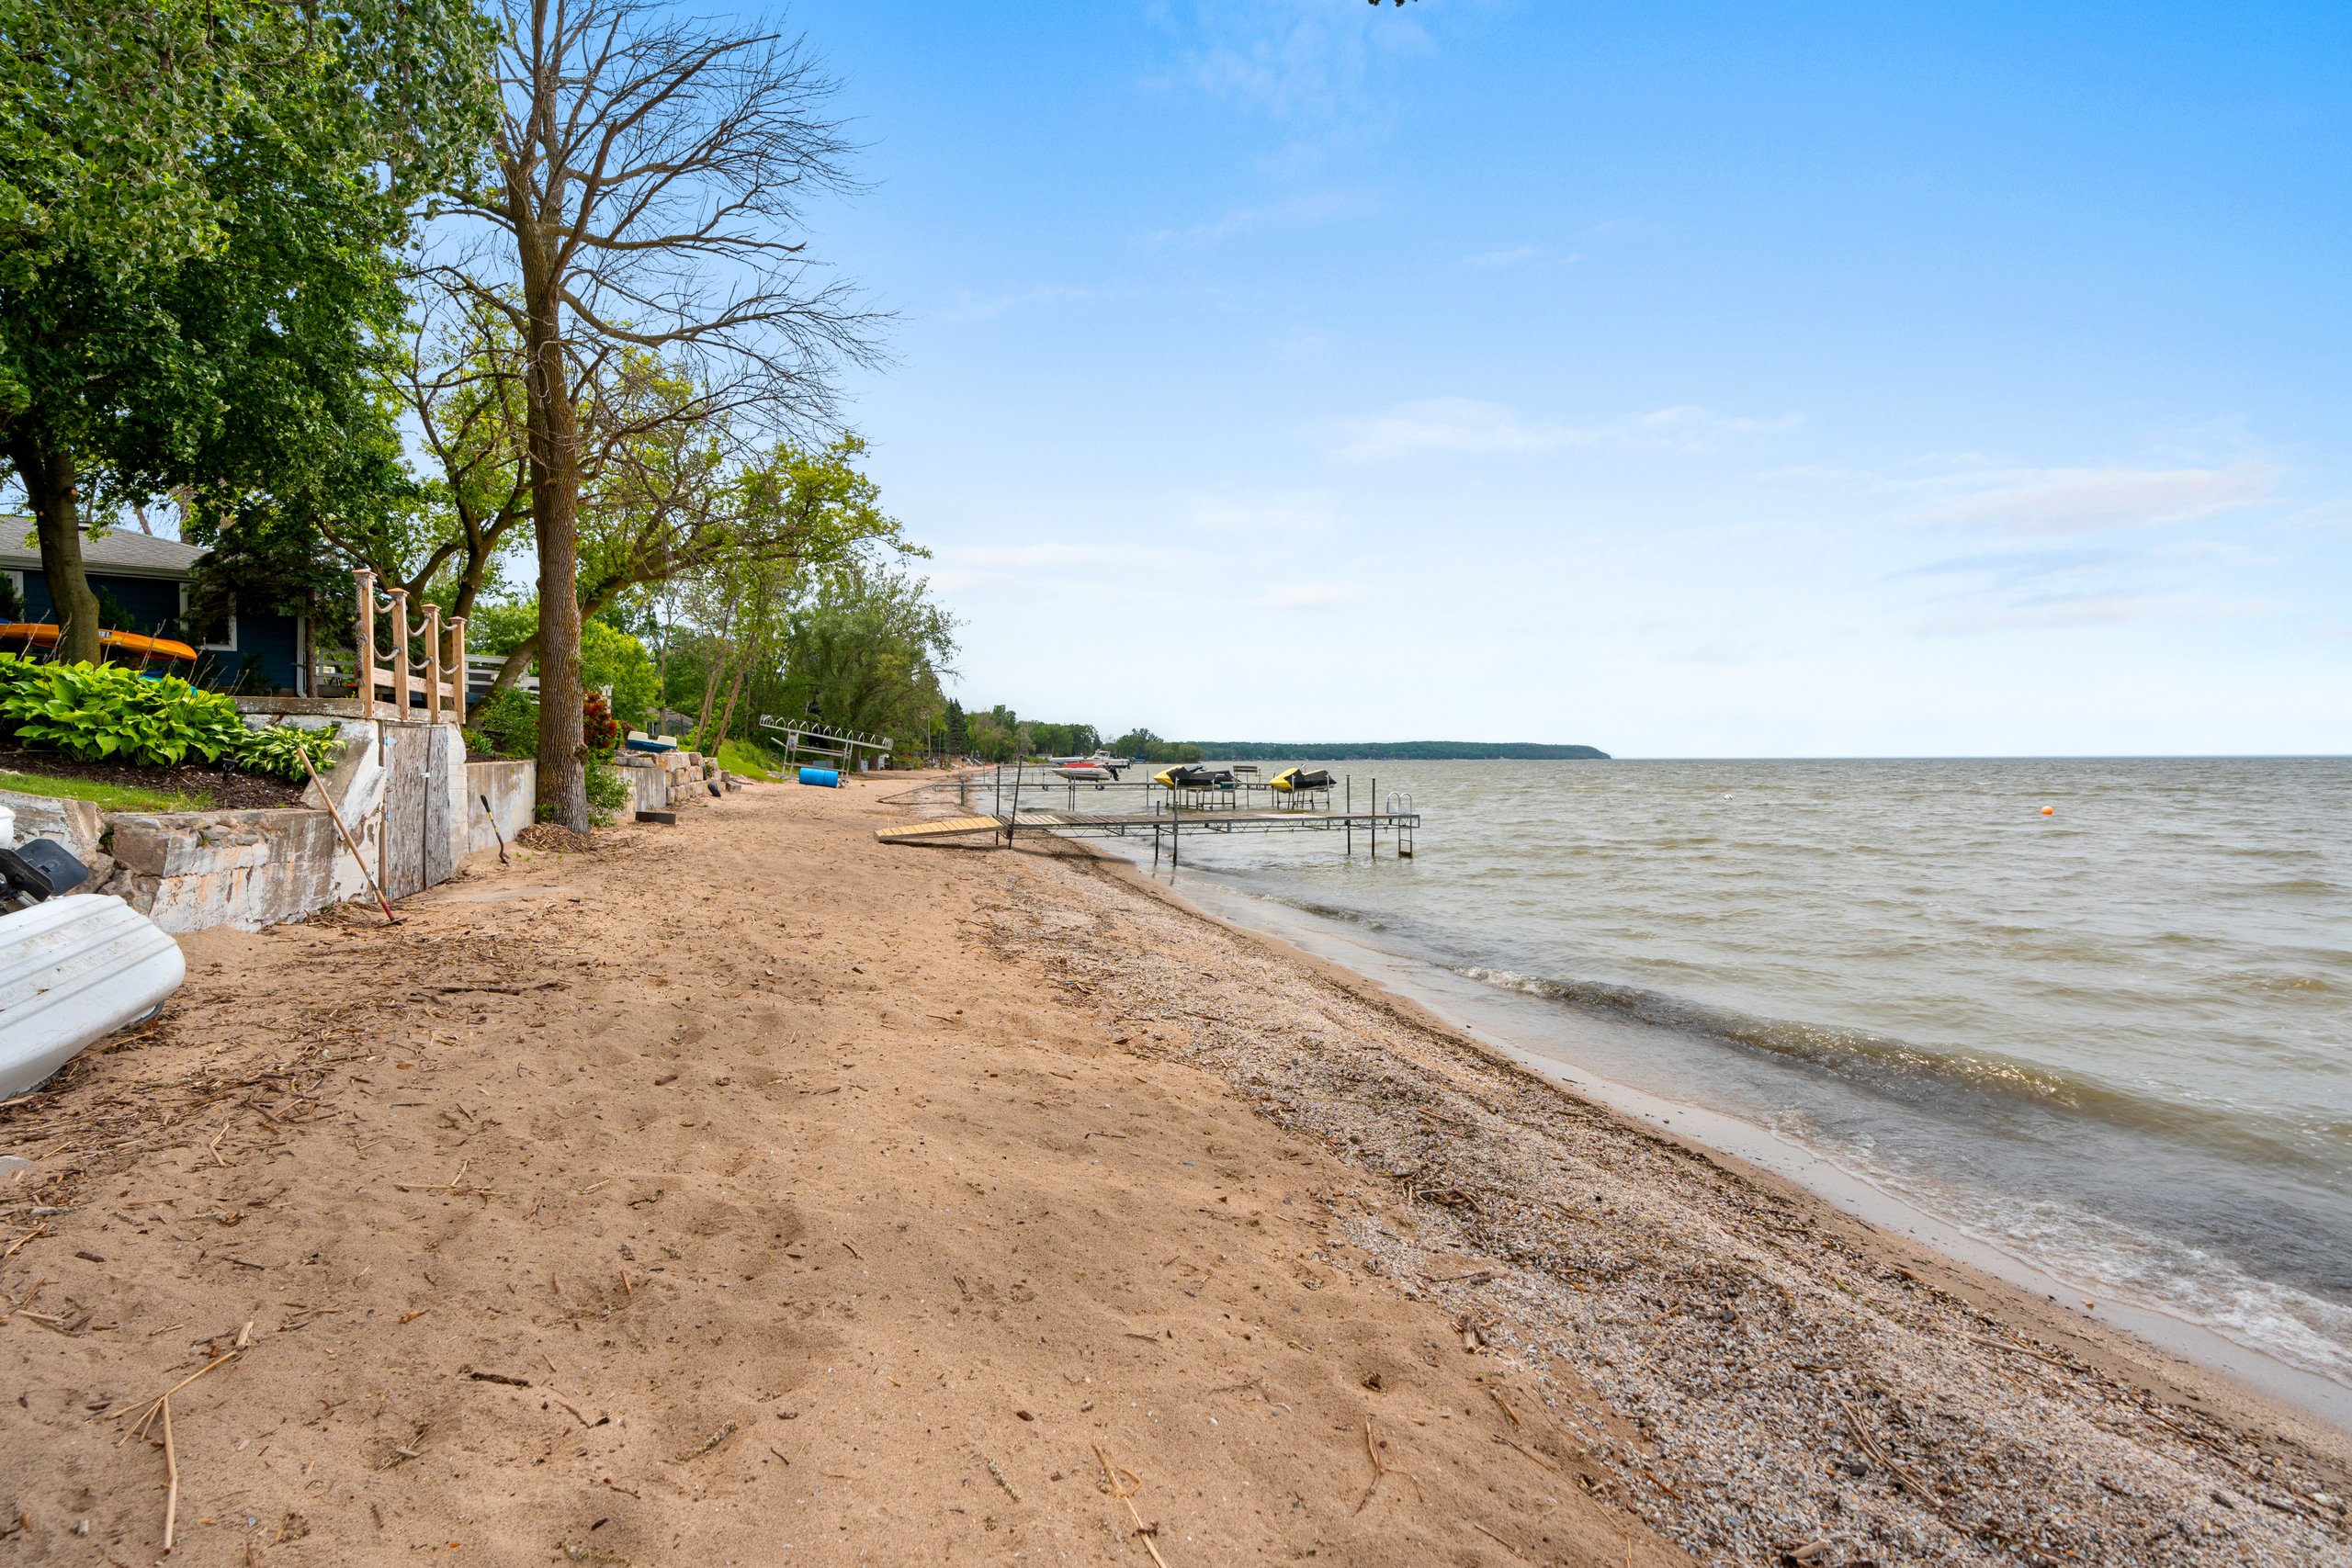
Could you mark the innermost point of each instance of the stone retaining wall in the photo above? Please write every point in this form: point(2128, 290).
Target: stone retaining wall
point(189, 870)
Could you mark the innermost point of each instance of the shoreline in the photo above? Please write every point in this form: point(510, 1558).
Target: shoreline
point(1970, 1310)
point(749, 1185)
point(2272, 1387)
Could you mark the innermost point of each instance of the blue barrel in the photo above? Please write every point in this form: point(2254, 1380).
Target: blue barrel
point(826, 777)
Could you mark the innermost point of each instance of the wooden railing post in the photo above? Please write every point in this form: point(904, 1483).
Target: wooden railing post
point(458, 661)
point(401, 672)
point(364, 677)
point(433, 671)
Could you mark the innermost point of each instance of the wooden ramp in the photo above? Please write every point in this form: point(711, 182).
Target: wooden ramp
point(947, 828)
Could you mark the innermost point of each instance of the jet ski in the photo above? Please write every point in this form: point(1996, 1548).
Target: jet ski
point(1300, 779)
point(1192, 775)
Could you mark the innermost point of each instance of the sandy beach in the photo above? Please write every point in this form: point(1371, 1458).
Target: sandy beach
point(751, 1192)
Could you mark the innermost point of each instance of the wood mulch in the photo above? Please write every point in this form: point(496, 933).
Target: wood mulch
point(230, 791)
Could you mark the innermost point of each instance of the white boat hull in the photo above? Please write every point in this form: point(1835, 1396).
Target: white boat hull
point(72, 971)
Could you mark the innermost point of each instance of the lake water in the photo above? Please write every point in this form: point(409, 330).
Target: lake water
point(2114, 1041)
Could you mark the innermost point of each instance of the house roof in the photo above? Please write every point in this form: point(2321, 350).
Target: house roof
point(113, 551)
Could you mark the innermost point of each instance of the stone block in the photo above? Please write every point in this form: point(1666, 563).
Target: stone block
point(79, 825)
point(189, 870)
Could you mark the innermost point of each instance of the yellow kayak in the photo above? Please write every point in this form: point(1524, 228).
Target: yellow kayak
point(40, 633)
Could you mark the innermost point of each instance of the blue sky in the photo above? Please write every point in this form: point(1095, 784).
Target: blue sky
point(1681, 378)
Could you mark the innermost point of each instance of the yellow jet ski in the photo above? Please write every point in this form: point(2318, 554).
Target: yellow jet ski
point(1295, 779)
point(1191, 775)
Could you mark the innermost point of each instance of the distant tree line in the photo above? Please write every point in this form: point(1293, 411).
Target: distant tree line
point(1410, 751)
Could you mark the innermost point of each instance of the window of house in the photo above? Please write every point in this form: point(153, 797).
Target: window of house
point(226, 640)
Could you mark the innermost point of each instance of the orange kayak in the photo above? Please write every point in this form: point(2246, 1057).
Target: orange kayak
point(40, 633)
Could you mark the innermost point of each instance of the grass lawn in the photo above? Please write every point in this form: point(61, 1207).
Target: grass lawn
point(110, 797)
point(752, 762)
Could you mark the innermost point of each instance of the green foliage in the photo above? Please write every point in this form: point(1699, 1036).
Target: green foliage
point(865, 653)
point(608, 656)
point(501, 628)
point(1065, 739)
point(607, 790)
point(97, 713)
point(102, 713)
point(1146, 746)
point(506, 724)
point(278, 751)
point(200, 210)
point(748, 758)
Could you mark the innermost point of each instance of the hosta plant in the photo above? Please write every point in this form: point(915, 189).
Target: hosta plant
point(103, 712)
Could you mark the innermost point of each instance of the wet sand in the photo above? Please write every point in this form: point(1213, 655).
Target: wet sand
point(751, 1192)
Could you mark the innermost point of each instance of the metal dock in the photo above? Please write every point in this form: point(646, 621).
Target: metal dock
point(1169, 817)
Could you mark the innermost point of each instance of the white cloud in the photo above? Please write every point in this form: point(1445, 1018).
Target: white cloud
point(1302, 512)
point(2080, 501)
point(1050, 557)
point(1468, 426)
point(1312, 595)
point(2095, 610)
point(1296, 60)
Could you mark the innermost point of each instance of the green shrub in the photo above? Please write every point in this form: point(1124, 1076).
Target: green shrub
point(100, 713)
point(506, 724)
point(607, 791)
point(278, 751)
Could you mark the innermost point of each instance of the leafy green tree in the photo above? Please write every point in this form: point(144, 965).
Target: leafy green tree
point(867, 652)
point(197, 204)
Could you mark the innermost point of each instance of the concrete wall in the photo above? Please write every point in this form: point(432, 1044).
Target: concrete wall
point(513, 788)
point(356, 784)
point(189, 870)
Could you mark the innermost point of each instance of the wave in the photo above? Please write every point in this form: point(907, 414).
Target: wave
point(1913, 1074)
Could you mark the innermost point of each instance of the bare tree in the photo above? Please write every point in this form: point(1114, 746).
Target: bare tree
point(649, 172)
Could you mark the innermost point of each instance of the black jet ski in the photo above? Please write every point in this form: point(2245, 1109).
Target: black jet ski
point(1301, 779)
point(1192, 775)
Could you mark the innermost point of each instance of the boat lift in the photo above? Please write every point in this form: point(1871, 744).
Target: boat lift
point(842, 748)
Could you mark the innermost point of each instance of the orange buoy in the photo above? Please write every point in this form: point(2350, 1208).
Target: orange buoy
point(2050, 811)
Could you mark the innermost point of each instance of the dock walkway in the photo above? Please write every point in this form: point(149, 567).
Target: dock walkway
point(1003, 826)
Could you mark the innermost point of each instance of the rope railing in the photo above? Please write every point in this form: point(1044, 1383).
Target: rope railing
point(441, 675)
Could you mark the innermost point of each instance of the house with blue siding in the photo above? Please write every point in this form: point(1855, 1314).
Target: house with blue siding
point(143, 586)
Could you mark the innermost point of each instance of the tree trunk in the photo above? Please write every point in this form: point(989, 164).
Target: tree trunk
point(516, 663)
point(48, 478)
point(555, 515)
point(726, 717)
point(311, 644)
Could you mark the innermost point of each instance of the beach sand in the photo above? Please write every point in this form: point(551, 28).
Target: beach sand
point(751, 1192)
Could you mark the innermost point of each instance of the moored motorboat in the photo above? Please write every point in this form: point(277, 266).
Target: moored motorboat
point(1097, 769)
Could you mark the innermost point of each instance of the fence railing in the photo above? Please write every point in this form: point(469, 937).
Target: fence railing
point(440, 676)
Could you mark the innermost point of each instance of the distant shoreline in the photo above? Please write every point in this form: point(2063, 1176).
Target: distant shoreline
point(1397, 750)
